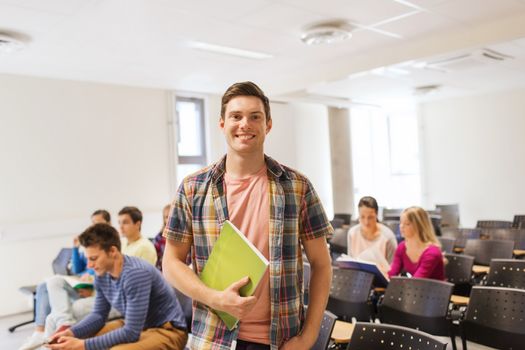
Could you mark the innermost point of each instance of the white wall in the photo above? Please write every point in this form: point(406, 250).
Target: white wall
point(474, 154)
point(66, 149)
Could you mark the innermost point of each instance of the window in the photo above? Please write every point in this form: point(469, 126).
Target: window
point(385, 156)
point(190, 135)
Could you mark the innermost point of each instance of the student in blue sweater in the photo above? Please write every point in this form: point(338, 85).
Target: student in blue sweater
point(55, 300)
point(153, 318)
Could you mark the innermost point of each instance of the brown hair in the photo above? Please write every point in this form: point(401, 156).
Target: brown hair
point(104, 213)
point(134, 213)
point(103, 235)
point(369, 202)
point(245, 88)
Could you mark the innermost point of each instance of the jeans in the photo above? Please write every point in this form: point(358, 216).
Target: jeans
point(42, 306)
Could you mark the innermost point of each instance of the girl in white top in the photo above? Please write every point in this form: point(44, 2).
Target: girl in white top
point(371, 240)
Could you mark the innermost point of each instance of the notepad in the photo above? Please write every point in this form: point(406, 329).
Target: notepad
point(233, 257)
point(346, 262)
point(77, 282)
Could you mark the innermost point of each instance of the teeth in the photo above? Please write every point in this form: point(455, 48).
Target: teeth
point(245, 137)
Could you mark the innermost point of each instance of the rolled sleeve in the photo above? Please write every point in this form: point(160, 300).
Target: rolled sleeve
point(313, 220)
point(179, 227)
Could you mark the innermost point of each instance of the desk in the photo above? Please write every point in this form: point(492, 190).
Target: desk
point(479, 269)
point(459, 300)
point(519, 252)
point(342, 332)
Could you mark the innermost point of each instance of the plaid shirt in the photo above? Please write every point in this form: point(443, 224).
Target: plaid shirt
point(296, 215)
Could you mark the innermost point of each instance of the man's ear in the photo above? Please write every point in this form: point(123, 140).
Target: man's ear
point(268, 125)
point(113, 250)
point(221, 123)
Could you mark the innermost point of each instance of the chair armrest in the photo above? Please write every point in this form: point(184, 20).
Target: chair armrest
point(28, 289)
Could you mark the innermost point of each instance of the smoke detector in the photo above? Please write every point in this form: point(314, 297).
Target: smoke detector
point(327, 33)
point(426, 89)
point(9, 44)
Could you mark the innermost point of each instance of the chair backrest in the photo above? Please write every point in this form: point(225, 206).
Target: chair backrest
point(349, 293)
point(373, 336)
point(458, 268)
point(447, 244)
point(61, 262)
point(418, 303)
point(337, 223)
point(519, 221)
point(449, 215)
point(508, 234)
point(327, 326)
point(339, 241)
point(461, 235)
point(345, 217)
point(495, 317)
point(392, 214)
point(394, 226)
point(418, 296)
point(483, 250)
point(508, 273)
point(493, 224)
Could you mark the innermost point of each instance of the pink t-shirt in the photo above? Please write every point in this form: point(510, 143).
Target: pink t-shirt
point(249, 210)
point(429, 265)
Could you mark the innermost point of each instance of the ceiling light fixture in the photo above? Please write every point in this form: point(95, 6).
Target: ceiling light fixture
point(8, 44)
point(232, 51)
point(327, 33)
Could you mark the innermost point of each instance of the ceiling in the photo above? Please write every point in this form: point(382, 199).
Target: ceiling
point(148, 43)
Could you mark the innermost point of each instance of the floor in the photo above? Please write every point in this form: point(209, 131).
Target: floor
point(11, 341)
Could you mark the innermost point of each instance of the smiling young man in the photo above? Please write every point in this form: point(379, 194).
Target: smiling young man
point(278, 211)
point(153, 318)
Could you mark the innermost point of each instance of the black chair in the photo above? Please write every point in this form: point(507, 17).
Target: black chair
point(349, 294)
point(495, 318)
point(509, 273)
point(447, 244)
point(337, 223)
point(508, 234)
point(483, 250)
point(418, 303)
point(373, 336)
point(60, 266)
point(391, 214)
point(344, 216)
point(519, 221)
point(461, 235)
point(339, 243)
point(493, 224)
point(327, 326)
point(459, 272)
point(449, 214)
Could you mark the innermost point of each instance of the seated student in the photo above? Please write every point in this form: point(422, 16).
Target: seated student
point(419, 254)
point(371, 240)
point(160, 241)
point(153, 318)
point(130, 222)
point(59, 295)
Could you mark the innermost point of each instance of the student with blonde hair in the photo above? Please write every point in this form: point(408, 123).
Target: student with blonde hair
point(419, 254)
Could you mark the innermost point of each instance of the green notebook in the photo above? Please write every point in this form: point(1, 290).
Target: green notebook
point(232, 258)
